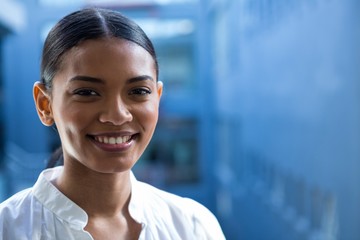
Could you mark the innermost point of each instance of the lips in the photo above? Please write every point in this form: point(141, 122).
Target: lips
point(112, 140)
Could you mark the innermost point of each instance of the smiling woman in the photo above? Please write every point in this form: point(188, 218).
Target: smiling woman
point(99, 88)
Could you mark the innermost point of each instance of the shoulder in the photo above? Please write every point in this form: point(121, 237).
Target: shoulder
point(16, 211)
point(15, 206)
point(157, 198)
point(184, 213)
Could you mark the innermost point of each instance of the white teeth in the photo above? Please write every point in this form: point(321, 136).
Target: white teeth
point(112, 140)
point(119, 140)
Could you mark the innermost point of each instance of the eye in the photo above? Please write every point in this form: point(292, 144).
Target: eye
point(85, 92)
point(140, 91)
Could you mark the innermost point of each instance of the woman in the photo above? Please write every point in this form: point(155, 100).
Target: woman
point(99, 87)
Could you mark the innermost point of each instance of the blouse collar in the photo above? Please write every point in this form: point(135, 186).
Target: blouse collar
point(55, 201)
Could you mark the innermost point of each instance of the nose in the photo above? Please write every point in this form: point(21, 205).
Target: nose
point(115, 112)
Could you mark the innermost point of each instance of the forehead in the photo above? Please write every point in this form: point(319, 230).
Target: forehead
point(114, 55)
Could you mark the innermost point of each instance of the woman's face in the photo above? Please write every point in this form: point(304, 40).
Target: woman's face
point(104, 102)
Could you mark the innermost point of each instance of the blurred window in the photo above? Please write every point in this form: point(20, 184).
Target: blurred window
point(176, 67)
point(173, 40)
point(166, 28)
point(59, 3)
point(171, 157)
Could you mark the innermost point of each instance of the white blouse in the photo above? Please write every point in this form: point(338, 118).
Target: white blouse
point(43, 213)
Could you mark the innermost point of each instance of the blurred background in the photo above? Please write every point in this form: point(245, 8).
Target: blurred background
point(260, 118)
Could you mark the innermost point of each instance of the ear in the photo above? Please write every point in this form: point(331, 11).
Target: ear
point(159, 88)
point(42, 102)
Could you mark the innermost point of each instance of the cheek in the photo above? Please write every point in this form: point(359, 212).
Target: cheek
point(70, 119)
point(64, 124)
point(148, 115)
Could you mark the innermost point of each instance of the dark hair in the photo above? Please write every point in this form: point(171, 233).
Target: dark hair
point(86, 24)
point(56, 158)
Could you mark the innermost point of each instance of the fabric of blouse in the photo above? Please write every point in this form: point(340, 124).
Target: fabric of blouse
point(43, 212)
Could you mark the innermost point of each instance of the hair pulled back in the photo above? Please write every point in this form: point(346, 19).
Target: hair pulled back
point(86, 24)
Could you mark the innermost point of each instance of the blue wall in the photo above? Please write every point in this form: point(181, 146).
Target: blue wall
point(287, 81)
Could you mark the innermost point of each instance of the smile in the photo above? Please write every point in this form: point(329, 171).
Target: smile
point(112, 140)
point(113, 143)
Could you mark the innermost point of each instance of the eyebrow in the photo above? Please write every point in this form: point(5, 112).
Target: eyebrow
point(140, 78)
point(87, 79)
point(99, 80)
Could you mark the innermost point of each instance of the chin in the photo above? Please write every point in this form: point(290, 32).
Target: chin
point(114, 168)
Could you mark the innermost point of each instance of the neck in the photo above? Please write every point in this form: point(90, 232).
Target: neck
point(98, 194)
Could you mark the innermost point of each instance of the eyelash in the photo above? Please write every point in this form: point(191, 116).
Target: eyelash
point(140, 91)
point(90, 93)
point(86, 92)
